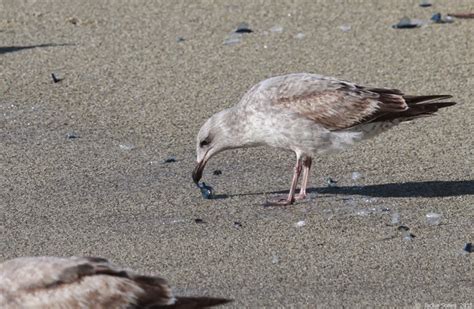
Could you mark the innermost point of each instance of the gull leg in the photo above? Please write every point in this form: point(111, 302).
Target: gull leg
point(306, 168)
point(294, 182)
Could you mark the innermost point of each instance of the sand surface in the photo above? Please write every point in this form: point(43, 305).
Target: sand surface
point(136, 95)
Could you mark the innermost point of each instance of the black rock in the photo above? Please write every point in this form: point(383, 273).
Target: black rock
point(217, 172)
point(237, 224)
point(468, 247)
point(198, 220)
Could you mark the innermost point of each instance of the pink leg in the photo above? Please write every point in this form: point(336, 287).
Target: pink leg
point(306, 168)
point(294, 182)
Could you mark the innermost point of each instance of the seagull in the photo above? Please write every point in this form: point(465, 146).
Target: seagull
point(310, 115)
point(85, 282)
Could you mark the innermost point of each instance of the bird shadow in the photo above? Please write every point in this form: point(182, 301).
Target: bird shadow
point(406, 189)
point(11, 49)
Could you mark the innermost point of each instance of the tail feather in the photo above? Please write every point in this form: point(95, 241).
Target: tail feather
point(418, 106)
point(193, 303)
point(417, 110)
point(414, 99)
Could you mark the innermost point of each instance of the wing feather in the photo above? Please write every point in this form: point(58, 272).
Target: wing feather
point(333, 103)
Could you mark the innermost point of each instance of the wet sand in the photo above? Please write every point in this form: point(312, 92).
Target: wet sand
point(128, 80)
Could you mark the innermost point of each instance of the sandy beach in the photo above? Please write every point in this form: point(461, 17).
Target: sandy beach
point(82, 161)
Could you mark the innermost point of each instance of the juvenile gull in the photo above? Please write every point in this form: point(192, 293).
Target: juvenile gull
point(308, 114)
point(85, 282)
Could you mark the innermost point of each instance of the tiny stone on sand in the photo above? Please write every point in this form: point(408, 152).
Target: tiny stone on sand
point(300, 223)
point(433, 218)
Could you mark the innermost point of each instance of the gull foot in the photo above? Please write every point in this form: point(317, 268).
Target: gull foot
point(301, 196)
point(279, 202)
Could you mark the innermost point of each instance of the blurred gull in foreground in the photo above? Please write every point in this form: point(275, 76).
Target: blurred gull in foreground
point(85, 282)
point(308, 114)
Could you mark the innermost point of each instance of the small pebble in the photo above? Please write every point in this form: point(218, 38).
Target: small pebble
point(362, 212)
point(72, 135)
point(198, 220)
point(300, 35)
point(395, 218)
point(468, 247)
point(276, 29)
point(234, 38)
point(331, 182)
point(237, 224)
point(206, 191)
point(425, 3)
point(170, 160)
point(345, 28)
point(126, 146)
point(73, 20)
point(243, 28)
point(440, 19)
point(403, 228)
point(356, 176)
point(180, 39)
point(433, 218)
point(407, 23)
point(217, 172)
point(275, 259)
point(55, 79)
point(406, 235)
point(300, 223)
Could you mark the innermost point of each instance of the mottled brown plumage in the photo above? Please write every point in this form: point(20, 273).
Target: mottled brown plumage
point(85, 282)
point(309, 114)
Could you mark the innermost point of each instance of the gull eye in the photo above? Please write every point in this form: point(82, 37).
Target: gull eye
point(204, 143)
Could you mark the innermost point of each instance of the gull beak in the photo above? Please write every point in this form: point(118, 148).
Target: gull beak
point(197, 172)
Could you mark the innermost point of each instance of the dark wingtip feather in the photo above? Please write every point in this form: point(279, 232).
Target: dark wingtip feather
point(414, 99)
point(194, 303)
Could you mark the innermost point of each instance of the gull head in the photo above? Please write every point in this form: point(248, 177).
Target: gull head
point(220, 132)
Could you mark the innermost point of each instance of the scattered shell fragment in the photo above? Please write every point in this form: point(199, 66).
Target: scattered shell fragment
point(300, 35)
point(433, 218)
point(300, 223)
point(468, 248)
point(233, 38)
point(356, 176)
point(331, 182)
point(276, 29)
point(72, 135)
point(243, 28)
point(406, 235)
point(126, 146)
point(73, 20)
point(437, 18)
point(425, 3)
point(170, 160)
point(407, 23)
point(395, 218)
point(345, 28)
point(206, 191)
